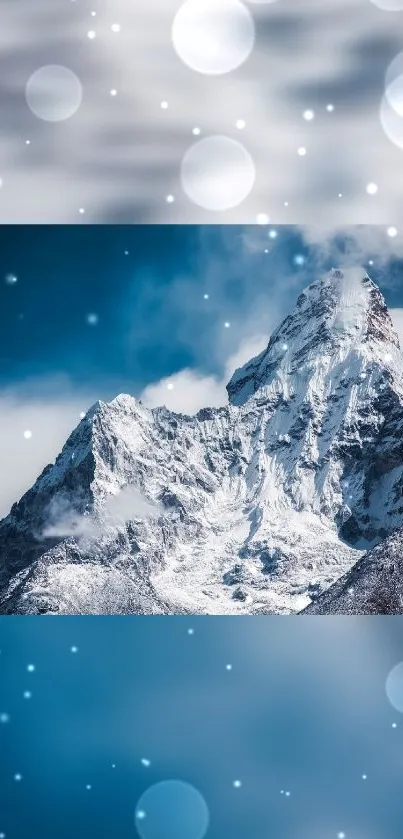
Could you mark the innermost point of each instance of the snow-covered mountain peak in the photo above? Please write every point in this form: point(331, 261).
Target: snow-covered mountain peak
point(340, 316)
point(257, 506)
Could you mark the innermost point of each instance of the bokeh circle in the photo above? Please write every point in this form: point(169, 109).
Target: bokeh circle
point(392, 123)
point(54, 93)
point(217, 173)
point(394, 687)
point(172, 810)
point(213, 36)
point(389, 5)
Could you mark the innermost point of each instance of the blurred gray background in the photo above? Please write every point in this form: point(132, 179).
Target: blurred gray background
point(118, 157)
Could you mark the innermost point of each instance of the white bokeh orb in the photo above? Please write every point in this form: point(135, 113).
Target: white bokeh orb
point(389, 5)
point(391, 122)
point(54, 93)
point(172, 810)
point(217, 173)
point(394, 84)
point(394, 687)
point(213, 36)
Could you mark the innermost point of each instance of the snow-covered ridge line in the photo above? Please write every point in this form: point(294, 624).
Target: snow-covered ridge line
point(257, 507)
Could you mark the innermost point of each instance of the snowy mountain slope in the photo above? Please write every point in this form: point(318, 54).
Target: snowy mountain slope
point(374, 586)
point(255, 507)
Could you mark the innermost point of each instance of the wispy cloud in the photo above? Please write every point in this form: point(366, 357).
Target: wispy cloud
point(128, 504)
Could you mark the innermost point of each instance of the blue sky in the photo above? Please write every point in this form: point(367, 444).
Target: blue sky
point(99, 310)
point(304, 710)
point(147, 287)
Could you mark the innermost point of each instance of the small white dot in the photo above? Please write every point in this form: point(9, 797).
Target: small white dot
point(273, 234)
point(341, 835)
point(11, 279)
point(191, 631)
point(27, 694)
point(81, 211)
point(113, 765)
point(228, 666)
point(170, 386)
point(240, 123)
point(88, 786)
point(91, 34)
point(27, 434)
point(288, 793)
point(17, 777)
point(394, 724)
point(206, 296)
point(237, 784)
point(196, 131)
point(330, 108)
point(74, 649)
point(145, 761)
point(372, 189)
point(82, 414)
point(285, 203)
point(302, 151)
point(340, 194)
point(31, 668)
point(126, 253)
point(140, 814)
point(2, 836)
point(4, 718)
point(266, 250)
point(262, 218)
point(364, 777)
point(370, 262)
point(164, 105)
point(299, 259)
point(285, 347)
point(113, 92)
point(170, 199)
point(227, 324)
point(115, 27)
point(93, 14)
point(92, 319)
point(27, 142)
point(392, 232)
point(308, 115)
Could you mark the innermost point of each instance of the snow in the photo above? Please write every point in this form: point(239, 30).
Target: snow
point(256, 507)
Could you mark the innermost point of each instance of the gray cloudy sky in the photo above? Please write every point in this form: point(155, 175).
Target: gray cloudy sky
point(118, 157)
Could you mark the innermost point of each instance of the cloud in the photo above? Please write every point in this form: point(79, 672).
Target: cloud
point(188, 390)
point(128, 504)
point(50, 418)
point(352, 245)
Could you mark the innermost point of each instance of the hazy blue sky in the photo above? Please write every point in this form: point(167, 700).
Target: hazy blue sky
point(303, 710)
point(146, 285)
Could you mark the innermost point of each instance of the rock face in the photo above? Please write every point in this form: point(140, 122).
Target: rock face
point(374, 586)
point(256, 507)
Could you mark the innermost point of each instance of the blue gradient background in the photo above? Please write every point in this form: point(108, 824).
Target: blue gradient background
point(303, 709)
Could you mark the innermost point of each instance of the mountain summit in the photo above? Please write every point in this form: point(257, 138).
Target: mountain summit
point(257, 507)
